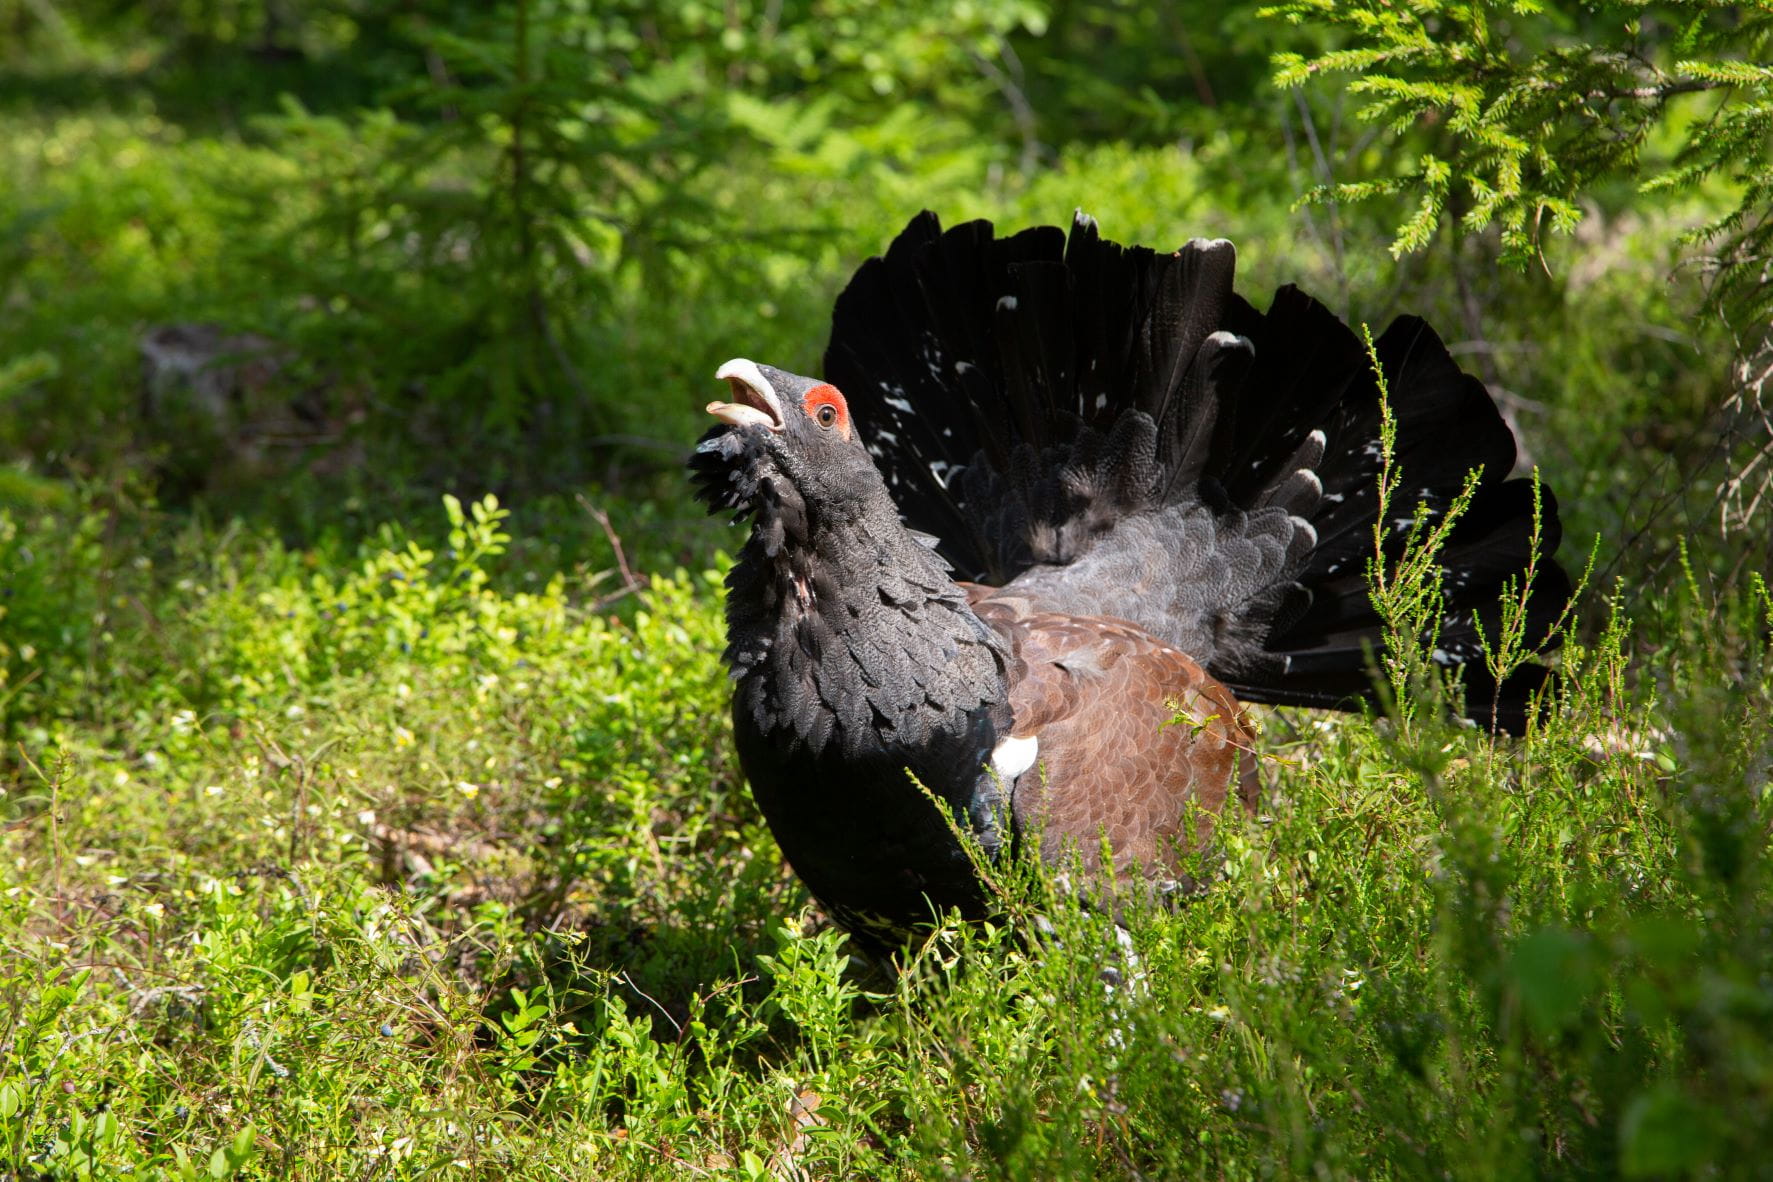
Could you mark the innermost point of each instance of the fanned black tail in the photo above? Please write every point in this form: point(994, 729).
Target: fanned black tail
point(1117, 431)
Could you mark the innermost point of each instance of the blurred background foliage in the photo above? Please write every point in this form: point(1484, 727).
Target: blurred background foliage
point(440, 813)
point(503, 243)
point(314, 263)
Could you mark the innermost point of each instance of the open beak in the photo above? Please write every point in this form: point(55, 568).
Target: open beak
point(754, 402)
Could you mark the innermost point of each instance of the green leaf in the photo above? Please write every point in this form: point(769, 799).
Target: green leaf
point(1553, 972)
point(21, 372)
point(1664, 1131)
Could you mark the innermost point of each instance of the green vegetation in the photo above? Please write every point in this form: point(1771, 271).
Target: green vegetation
point(1528, 114)
point(352, 829)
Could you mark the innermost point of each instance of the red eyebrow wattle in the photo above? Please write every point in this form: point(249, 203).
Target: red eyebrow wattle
point(825, 394)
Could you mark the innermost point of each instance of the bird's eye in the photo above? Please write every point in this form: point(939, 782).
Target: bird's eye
point(824, 405)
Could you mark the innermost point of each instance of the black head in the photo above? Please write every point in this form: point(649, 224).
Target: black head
point(784, 441)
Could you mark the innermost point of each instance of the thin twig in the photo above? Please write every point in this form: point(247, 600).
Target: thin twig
point(631, 582)
point(625, 979)
point(1009, 81)
point(1327, 176)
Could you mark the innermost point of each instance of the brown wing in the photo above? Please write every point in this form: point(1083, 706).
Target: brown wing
point(1136, 742)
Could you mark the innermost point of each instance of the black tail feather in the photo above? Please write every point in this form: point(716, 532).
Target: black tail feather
point(1028, 398)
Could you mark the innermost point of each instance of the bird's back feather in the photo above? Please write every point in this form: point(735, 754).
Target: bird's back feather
point(1114, 431)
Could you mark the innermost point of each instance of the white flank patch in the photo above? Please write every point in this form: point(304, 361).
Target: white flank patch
point(1012, 757)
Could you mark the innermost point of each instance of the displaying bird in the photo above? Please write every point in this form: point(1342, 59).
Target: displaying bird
point(1156, 500)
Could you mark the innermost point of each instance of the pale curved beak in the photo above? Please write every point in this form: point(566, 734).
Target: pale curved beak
point(754, 400)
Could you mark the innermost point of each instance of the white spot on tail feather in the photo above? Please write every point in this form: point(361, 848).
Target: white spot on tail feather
point(1012, 757)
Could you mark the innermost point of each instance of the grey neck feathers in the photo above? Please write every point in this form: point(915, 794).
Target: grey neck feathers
point(846, 633)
